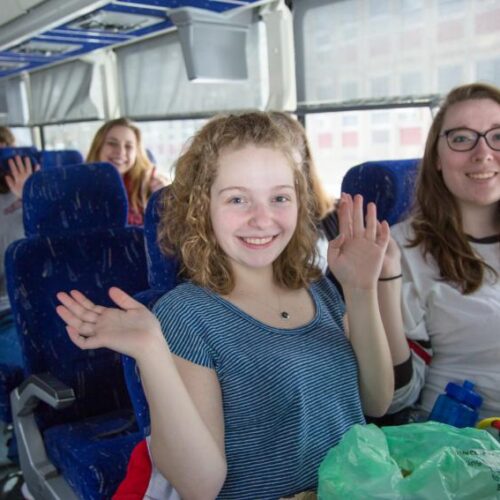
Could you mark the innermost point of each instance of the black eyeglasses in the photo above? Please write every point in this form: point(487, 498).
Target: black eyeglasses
point(466, 139)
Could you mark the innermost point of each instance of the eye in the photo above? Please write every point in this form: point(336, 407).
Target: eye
point(494, 135)
point(462, 136)
point(281, 198)
point(236, 200)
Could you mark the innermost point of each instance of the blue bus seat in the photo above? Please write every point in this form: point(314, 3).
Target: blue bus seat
point(10, 152)
point(11, 366)
point(60, 158)
point(77, 445)
point(389, 184)
point(162, 277)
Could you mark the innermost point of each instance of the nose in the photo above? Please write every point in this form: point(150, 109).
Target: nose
point(482, 150)
point(260, 215)
point(120, 149)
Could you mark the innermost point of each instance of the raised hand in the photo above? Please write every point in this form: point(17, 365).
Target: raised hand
point(392, 260)
point(20, 170)
point(128, 330)
point(355, 257)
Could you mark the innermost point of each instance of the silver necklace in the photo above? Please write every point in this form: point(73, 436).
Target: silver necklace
point(284, 315)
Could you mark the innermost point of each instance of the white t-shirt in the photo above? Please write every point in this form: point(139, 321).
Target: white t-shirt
point(11, 229)
point(464, 330)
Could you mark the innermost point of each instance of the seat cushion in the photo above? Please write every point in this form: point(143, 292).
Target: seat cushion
point(93, 454)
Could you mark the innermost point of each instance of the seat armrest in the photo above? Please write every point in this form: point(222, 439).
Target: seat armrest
point(42, 387)
point(42, 478)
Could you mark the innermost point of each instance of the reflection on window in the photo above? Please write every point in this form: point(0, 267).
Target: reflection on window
point(371, 135)
point(71, 136)
point(166, 139)
point(489, 70)
point(23, 136)
point(449, 76)
point(397, 39)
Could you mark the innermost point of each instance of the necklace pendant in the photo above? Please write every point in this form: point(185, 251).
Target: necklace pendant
point(284, 315)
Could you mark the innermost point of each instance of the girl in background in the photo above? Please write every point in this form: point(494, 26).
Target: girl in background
point(119, 142)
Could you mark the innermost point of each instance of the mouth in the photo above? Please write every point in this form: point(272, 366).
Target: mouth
point(254, 242)
point(481, 176)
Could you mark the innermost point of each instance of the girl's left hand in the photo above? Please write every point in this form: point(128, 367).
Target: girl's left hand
point(20, 170)
point(355, 257)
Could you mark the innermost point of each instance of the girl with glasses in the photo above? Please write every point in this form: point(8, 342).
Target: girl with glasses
point(449, 256)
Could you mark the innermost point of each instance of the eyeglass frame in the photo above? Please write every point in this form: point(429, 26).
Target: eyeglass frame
point(478, 136)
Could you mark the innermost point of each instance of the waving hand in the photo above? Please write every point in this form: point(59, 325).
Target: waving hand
point(355, 257)
point(20, 170)
point(127, 329)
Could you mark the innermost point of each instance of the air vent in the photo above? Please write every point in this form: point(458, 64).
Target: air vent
point(10, 65)
point(113, 22)
point(43, 49)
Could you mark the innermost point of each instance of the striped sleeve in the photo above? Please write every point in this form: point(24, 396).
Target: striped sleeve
point(183, 328)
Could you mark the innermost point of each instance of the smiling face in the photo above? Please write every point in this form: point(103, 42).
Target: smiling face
point(119, 148)
point(253, 206)
point(472, 177)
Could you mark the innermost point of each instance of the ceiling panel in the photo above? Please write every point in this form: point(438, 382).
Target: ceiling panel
point(112, 23)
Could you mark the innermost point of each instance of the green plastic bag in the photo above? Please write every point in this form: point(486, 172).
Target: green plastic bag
point(427, 461)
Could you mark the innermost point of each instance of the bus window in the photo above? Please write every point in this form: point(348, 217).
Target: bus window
point(340, 140)
point(166, 139)
point(70, 135)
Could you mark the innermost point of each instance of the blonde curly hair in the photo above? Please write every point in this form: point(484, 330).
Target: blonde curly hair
point(185, 227)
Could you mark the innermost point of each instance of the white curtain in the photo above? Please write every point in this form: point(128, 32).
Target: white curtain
point(153, 81)
point(65, 93)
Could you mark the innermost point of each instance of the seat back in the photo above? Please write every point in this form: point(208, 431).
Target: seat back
point(162, 277)
point(7, 153)
point(76, 238)
point(389, 184)
point(60, 158)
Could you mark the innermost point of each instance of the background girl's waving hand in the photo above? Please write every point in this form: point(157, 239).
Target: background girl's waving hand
point(355, 257)
point(20, 170)
point(125, 330)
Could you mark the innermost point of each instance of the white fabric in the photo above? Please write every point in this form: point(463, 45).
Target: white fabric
point(64, 93)
point(11, 222)
point(153, 80)
point(464, 330)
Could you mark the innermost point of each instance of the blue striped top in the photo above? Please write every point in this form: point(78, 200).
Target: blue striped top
point(288, 394)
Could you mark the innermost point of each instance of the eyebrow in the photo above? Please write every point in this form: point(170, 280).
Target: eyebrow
point(241, 188)
point(493, 125)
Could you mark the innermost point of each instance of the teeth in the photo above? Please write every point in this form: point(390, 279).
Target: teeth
point(482, 176)
point(258, 241)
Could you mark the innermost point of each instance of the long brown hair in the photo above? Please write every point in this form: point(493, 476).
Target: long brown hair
point(185, 225)
point(137, 178)
point(437, 221)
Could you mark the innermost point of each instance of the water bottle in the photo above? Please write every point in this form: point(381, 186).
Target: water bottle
point(458, 406)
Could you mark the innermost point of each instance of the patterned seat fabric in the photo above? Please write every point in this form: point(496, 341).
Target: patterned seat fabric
point(389, 184)
point(60, 158)
point(77, 238)
point(162, 277)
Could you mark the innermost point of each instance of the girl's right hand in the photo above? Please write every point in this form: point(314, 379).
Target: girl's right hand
point(130, 330)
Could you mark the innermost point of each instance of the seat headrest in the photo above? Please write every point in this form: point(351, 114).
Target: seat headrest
point(389, 184)
point(162, 269)
point(60, 158)
point(6, 153)
point(79, 197)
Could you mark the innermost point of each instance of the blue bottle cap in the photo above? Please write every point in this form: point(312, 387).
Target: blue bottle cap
point(464, 394)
